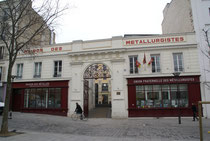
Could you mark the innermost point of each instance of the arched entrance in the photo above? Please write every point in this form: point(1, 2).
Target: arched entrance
point(97, 90)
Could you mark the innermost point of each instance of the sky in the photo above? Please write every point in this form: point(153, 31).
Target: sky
point(101, 19)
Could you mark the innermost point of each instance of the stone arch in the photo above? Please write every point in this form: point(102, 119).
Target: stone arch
point(97, 70)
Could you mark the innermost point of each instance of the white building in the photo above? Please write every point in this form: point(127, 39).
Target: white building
point(140, 67)
point(192, 16)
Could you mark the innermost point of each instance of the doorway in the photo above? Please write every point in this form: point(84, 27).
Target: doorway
point(97, 91)
point(16, 99)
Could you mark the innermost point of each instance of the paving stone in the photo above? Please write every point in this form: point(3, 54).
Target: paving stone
point(53, 128)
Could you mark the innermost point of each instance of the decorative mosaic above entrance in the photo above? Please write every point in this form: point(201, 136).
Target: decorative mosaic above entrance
point(96, 71)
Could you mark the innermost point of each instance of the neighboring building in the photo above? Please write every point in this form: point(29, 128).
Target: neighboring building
point(47, 37)
point(192, 16)
point(138, 70)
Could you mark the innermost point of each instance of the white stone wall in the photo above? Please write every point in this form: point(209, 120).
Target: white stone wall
point(79, 55)
point(201, 19)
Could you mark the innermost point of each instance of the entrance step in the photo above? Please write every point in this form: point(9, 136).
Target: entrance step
point(100, 112)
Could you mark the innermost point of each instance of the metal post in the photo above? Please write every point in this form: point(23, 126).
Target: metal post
point(177, 74)
point(200, 120)
point(179, 117)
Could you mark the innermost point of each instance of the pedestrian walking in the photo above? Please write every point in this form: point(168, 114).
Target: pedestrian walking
point(194, 110)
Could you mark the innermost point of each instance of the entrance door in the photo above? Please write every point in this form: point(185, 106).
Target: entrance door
point(16, 100)
point(86, 95)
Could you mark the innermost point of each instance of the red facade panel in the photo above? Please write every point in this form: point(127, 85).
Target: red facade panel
point(194, 96)
point(18, 105)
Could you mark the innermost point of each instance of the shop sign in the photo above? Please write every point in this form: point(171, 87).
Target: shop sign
point(162, 40)
point(165, 80)
point(38, 84)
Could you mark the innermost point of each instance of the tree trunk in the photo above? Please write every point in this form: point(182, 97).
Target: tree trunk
point(4, 125)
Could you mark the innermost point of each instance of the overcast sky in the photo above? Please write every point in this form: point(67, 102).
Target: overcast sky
point(99, 19)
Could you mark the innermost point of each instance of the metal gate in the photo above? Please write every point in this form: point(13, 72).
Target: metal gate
point(86, 96)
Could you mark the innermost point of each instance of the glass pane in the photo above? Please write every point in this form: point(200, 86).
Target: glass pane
point(136, 68)
point(174, 101)
point(148, 88)
point(140, 97)
point(58, 98)
point(149, 101)
point(165, 87)
point(26, 98)
point(43, 99)
point(156, 88)
point(166, 96)
point(157, 96)
point(131, 64)
point(183, 95)
point(32, 98)
point(158, 63)
point(173, 87)
point(39, 98)
point(140, 88)
point(51, 99)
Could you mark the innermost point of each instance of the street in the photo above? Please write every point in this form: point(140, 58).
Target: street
point(38, 127)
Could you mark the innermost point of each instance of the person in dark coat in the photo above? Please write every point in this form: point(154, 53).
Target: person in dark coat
point(78, 110)
point(194, 110)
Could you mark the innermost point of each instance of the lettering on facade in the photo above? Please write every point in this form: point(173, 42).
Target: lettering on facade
point(33, 51)
point(164, 80)
point(41, 50)
point(56, 49)
point(155, 40)
point(40, 84)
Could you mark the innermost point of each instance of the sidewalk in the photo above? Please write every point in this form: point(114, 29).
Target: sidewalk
point(38, 127)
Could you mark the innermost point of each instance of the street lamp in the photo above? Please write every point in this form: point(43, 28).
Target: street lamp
point(177, 74)
point(10, 112)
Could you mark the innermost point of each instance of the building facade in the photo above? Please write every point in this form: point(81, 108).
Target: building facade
point(137, 73)
point(192, 16)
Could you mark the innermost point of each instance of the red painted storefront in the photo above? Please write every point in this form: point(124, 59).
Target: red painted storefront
point(49, 97)
point(192, 84)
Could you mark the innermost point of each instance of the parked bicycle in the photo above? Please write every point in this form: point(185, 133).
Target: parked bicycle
point(76, 116)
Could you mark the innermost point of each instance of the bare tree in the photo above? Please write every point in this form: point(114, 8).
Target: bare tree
point(207, 38)
point(21, 27)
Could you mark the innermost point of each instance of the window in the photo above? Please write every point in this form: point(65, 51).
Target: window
point(104, 87)
point(37, 69)
point(19, 71)
point(42, 98)
point(57, 68)
point(164, 96)
point(155, 63)
point(6, 14)
point(133, 67)
point(1, 52)
point(178, 62)
point(0, 73)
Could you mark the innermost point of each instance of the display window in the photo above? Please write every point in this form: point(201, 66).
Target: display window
point(162, 96)
point(42, 98)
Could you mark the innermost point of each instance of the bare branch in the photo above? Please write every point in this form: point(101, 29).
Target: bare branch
point(22, 26)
